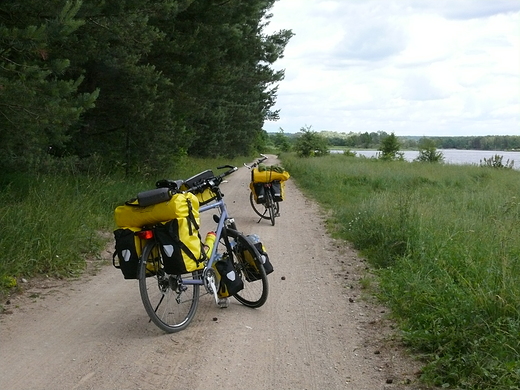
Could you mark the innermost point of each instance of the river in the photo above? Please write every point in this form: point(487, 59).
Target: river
point(454, 156)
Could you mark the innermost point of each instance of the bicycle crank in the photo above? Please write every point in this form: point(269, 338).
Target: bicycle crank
point(210, 278)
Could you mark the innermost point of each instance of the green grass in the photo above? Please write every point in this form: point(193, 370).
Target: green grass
point(444, 240)
point(52, 223)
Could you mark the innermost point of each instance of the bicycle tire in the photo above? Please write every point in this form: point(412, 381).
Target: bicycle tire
point(170, 304)
point(256, 286)
point(265, 213)
point(256, 207)
point(270, 204)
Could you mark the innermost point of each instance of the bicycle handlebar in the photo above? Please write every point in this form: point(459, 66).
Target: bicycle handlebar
point(215, 180)
point(259, 161)
point(212, 182)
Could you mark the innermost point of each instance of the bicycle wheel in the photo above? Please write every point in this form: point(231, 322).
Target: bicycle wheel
point(270, 205)
point(250, 269)
point(170, 302)
point(259, 208)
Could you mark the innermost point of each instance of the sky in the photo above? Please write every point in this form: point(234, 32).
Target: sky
point(408, 67)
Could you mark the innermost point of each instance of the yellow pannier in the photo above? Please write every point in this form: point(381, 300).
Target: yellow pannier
point(267, 176)
point(179, 206)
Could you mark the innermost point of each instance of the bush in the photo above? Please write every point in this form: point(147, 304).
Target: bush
point(390, 149)
point(443, 240)
point(310, 143)
point(428, 152)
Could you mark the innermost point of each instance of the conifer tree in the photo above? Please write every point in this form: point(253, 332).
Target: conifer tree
point(38, 106)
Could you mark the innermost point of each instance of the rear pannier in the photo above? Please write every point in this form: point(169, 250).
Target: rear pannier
point(175, 224)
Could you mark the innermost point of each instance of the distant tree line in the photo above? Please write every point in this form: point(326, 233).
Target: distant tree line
point(135, 83)
point(374, 140)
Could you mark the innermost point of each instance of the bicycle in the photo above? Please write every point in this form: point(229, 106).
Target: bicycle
point(171, 301)
point(271, 208)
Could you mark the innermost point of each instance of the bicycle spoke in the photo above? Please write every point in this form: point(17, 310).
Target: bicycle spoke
point(251, 271)
point(170, 303)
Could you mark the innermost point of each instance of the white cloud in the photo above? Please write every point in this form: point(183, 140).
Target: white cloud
point(430, 67)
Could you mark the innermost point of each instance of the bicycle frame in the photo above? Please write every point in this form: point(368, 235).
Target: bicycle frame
point(221, 206)
point(272, 207)
point(171, 300)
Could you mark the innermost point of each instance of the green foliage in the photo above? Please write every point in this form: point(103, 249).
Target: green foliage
point(39, 105)
point(310, 143)
point(168, 78)
point(489, 142)
point(52, 223)
point(496, 162)
point(428, 151)
point(349, 153)
point(390, 149)
point(373, 140)
point(364, 140)
point(281, 141)
point(444, 241)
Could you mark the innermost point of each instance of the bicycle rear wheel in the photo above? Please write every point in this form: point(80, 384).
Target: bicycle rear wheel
point(250, 269)
point(270, 205)
point(264, 210)
point(170, 303)
point(259, 208)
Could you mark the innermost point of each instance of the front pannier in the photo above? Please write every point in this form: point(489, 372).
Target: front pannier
point(230, 282)
point(253, 272)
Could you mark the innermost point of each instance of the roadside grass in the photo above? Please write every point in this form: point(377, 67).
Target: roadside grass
point(444, 241)
point(51, 223)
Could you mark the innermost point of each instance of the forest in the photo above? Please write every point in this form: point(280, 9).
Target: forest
point(134, 84)
point(373, 140)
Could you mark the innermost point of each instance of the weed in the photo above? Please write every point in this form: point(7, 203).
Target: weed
point(445, 241)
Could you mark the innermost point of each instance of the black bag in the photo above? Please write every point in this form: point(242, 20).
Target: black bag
point(265, 258)
point(253, 273)
point(128, 249)
point(181, 246)
point(230, 282)
point(259, 192)
point(277, 191)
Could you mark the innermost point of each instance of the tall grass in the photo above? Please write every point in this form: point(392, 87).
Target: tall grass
point(445, 241)
point(51, 223)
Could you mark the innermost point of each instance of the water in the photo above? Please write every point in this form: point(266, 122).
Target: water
point(455, 156)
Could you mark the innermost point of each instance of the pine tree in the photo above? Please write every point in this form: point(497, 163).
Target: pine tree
point(390, 148)
point(38, 105)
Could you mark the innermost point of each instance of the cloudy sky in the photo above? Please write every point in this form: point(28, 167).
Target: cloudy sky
point(411, 67)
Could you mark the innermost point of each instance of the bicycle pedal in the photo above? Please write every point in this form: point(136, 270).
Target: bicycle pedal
point(223, 303)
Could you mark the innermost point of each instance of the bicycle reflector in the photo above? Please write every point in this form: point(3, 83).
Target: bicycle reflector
point(145, 234)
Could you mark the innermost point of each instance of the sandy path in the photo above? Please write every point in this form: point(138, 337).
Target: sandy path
point(314, 332)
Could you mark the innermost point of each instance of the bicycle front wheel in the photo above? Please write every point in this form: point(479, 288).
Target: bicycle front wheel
point(250, 269)
point(170, 302)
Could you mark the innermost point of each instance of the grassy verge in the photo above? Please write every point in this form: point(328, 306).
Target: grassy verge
point(444, 239)
point(51, 223)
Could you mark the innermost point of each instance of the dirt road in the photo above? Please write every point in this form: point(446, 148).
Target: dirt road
point(316, 331)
